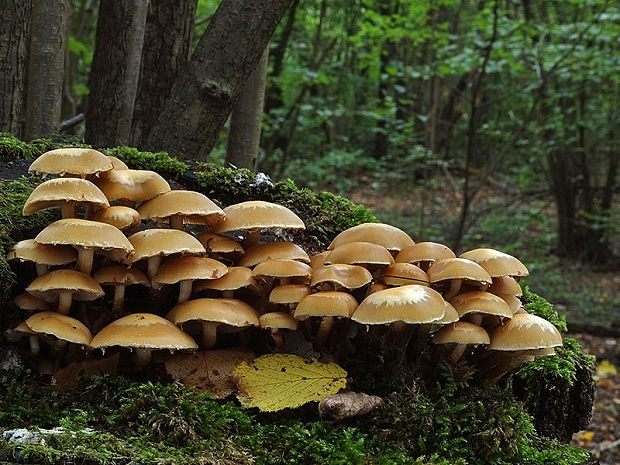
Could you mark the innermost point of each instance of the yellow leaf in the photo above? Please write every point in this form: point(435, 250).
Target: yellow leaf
point(277, 381)
point(605, 368)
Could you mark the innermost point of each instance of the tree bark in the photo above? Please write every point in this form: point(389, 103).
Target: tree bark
point(246, 119)
point(204, 93)
point(48, 40)
point(115, 71)
point(14, 38)
point(168, 35)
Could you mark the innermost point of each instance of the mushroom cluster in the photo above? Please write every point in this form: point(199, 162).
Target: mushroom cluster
point(123, 227)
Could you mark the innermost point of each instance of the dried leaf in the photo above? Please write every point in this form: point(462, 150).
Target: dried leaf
point(69, 374)
point(277, 381)
point(208, 371)
point(605, 368)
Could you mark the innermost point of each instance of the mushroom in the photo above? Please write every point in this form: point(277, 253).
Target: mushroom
point(63, 327)
point(505, 285)
point(64, 286)
point(73, 161)
point(273, 250)
point(253, 216)
point(30, 303)
point(318, 260)
point(43, 256)
point(340, 276)
point(496, 263)
point(462, 334)
point(402, 274)
point(143, 332)
point(66, 193)
point(213, 313)
point(185, 270)
point(238, 277)
point(385, 235)
point(480, 303)
point(457, 270)
point(132, 186)
point(283, 270)
point(181, 207)
point(424, 254)
point(21, 330)
point(275, 321)
point(289, 294)
point(120, 277)
point(371, 256)
point(85, 236)
point(123, 218)
point(220, 247)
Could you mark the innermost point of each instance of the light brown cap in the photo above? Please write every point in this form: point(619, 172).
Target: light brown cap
point(390, 237)
point(450, 316)
point(30, 303)
point(86, 234)
point(505, 285)
point(231, 312)
point(283, 250)
point(237, 277)
point(132, 185)
point(21, 330)
point(318, 260)
point(496, 263)
point(48, 285)
point(257, 214)
point(143, 330)
point(50, 255)
point(75, 161)
point(457, 268)
point(402, 274)
point(192, 207)
point(176, 269)
point(525, 331)
point(216, 243)
point(376, 287)
point(288, 293)
point(412, 304)
point(117, 164)
point(63, 191)
point(481, 302)
point(62, 326)
point(161, 242)
point(326, 303)
point(117, 274)
point(513, 302)
point(461, 332)
point(277, 320)
point(281, 268)
point(118, 216)
point(346, 276)
point(424, 252)
point(360, 253)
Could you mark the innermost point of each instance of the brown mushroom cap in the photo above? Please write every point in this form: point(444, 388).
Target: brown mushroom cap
point(177, 269)
point(132, 185)
point(189, 206)
point(218, 244)
point(257, 214)
point(346, 276)
point(424, 252)
point(48, 285)
point(505, 285)
point(450, 316)
point(161, 242)
point(117, 164)
point(277, 320)
point(326, 304)
point(360, 253)
point(231, 312)
point(481, 302)
point(525, 331)
point(412, 304)
point(281, 268)
point(117, 274)
point(64, 191)
point(496, 263)
point(118, 216)
point(402, 274)
point(288, 293)
point(21, 330)
point(273, 250)
point(143, 330)
point(237, 277)
point(461, 332)
point(74, 161)
point(318, 260)
point(30, 303)
point(62, 326)
point(50, 255)
point(458, 268)
point(513, 302)
point(390, 237)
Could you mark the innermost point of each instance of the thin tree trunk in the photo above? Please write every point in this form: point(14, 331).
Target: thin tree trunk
point(14, 38)
point(246, 119)
point(205, 91)
point(45, 67)
point(115, 71)
point(169, 28)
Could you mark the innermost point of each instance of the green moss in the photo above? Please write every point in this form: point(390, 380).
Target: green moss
point(537, 305)
point(160, 162)
point(12, 149)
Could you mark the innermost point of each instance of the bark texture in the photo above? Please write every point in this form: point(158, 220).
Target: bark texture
point(48, 41)
point(14, 38)
point(246, 119)
point(169, 26)
point(205, 91)
point(115, 71)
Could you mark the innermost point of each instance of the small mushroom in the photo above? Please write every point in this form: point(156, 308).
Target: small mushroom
point(505, 285)
point(496, 263)
point(424, 254)
point(179, 207)
point(64, 286)
point(72, 161)
point(123, 218)
point(402, 274)
point(339, 277)
point(477, 304)
point(43, 256)
point(273, 250)
point(221, 248)
point(461, 334)
point(120, 277)
point(65, 193)
point(289, 294)
point(275, 321)
point(283, 270)
point(238, 277)
point(132, 186)
point(456, 271)
point(385, 235)
point(186, 270)
point(371, 256)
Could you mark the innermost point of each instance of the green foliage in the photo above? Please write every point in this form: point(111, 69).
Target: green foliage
point(11, 148)
point(537, 305)
point(161, 162)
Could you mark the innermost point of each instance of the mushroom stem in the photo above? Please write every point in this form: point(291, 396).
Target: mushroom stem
point(185, 290)
point(277, 338)
point(455, 287)
point(496, 373)
point(153, 266)
point(228, 294)
point(476, 318)
point(419, 339)
point(68, 210)
point(41, 269)
point(398, 326)
point(119, 298)
point(209, 334)
point(141, 356)
point(64, 301)
point(85, 260)
point(324, 329)
point(455, 354)
point(35, 347)
point(251, 238)
point(176, 222)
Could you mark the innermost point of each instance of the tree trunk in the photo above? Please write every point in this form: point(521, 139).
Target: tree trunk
point(169, 27)
point(45, 67)
point(14, 38)
point(246, 119)
point(205, 91)
point(115, 71)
